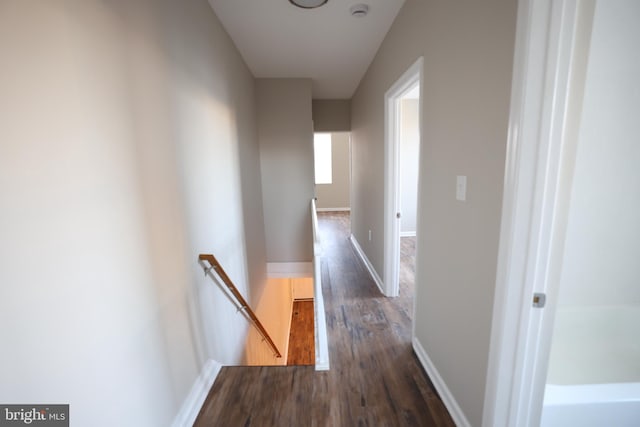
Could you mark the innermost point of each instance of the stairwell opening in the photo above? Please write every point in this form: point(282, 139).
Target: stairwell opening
point(286, 309)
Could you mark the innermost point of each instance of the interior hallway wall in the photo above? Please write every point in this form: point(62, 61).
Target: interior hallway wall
point(331, 115)
point(128, 145)
point(468, 54)
point(286, 160)
point(337, 194)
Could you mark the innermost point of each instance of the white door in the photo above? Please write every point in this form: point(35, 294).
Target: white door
point(575, 109)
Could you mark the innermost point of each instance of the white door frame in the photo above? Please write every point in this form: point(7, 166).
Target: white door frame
point(533, 213)
point(392, 97)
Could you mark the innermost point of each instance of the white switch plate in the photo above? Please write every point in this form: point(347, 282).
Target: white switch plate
point(461, 188)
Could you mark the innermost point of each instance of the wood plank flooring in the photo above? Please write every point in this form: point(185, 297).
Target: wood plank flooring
point(407, 265)
point(375, 378)
point(302, 348)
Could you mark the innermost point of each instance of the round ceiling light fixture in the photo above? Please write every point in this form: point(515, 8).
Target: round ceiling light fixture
point(308, 4)
point(359, 10)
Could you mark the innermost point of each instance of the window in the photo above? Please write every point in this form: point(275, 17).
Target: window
point(322, 157)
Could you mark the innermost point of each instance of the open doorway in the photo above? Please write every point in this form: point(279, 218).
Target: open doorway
point(409, 149)
point(332, 162)
point(402, 141)
point(564, 340)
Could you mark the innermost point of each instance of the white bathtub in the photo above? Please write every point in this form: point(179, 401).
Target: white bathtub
point(594, 368)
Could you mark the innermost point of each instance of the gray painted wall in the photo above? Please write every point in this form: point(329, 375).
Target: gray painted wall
point(468, 55)
point(331, 115)
point(336, 194)
point(129, 146)
point(286, 159)
point(409, 163)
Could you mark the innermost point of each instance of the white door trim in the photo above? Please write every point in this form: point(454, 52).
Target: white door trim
point(392, 97)
point(532, 218)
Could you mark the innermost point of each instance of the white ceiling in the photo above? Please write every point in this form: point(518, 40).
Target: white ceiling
point(327, 44)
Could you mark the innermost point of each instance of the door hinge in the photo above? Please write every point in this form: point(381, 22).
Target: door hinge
point(539, 300)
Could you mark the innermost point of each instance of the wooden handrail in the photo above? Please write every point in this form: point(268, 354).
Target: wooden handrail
point(243, 303)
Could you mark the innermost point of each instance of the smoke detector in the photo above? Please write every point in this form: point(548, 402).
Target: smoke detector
point(359, 10)
point(308, 4)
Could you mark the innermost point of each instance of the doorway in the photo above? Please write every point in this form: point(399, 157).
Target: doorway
point(332, 163)
point(573, 245)
point(405, 92)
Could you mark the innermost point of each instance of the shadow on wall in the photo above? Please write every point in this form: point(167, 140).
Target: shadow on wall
point(198, 162)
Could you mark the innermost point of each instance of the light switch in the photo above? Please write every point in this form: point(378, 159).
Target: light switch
point(461, 188)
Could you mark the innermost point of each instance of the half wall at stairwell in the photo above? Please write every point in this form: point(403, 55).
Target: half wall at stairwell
point(285, 133)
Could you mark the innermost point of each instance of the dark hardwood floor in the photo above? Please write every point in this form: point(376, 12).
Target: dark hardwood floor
point(302, 348)
point(375, 378)
point(407, 265)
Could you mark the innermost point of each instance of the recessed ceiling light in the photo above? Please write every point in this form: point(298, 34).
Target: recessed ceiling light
point(308, 4)
point(359, 10)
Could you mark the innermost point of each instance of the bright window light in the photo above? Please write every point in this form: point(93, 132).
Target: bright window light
point(322, 157)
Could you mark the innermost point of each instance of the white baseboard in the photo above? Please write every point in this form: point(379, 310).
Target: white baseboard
point(289, 269)
point(445, 394)
point(197, 395)
point(367, 263)
point(333, 209)
point(407, 234)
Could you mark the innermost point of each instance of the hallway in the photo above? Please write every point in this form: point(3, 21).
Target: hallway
point(375, 379)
